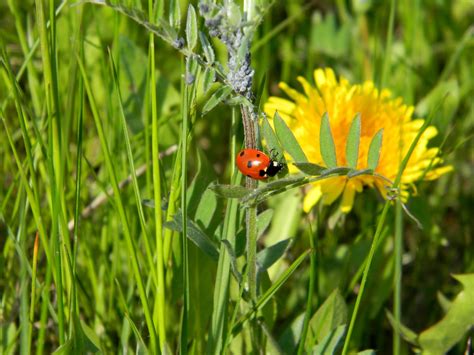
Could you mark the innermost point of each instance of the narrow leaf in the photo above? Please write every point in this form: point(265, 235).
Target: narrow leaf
point(219, 96)
point(330, 315)
point(195, 234)
point(374, 150)
point(271, 139)
point(209, 79)
point(229, 191)
point(406, 333)
point(310, 168)
point(175, 14)
point(288, 140)
point(191, 28)
point(268, 256)
point(326, 143)
point(352, 143)
point(207, 48)
point(233, 260)
point(331, 342)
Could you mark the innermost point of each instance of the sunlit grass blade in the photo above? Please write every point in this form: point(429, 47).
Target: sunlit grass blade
point(136, 188)
point(120, 209)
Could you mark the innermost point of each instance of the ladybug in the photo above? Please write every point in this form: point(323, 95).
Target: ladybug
point(256, 164)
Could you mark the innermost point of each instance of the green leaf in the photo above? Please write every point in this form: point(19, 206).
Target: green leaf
point(268, 256)
point(233, 260)
point(82, 341)
point(310, 168)
point(195, 234)
point(207, 48)
point(352, 143)
point(442, 336)
point(331, 342)
point(288, 140)
point(209, 79)
point(291, 336)
point(229, 191)
point(191, 28)
point(374, 151)
point(175, 14)
point(216, 98)
point(326, 143)
point(367, 352)
point(406, 333)
point(331, 314)
point(271, 139)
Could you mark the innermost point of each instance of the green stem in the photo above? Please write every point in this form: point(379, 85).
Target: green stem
point(397, 303)
point(311, 288)
point(373, 246)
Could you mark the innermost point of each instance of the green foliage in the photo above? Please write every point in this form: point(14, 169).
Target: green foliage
point(326, 143)
point(374, 150)
point(352, 145)
point(109, 106)
point(287, 139)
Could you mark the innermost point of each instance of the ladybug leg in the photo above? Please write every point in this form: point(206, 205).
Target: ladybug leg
point(274, 154)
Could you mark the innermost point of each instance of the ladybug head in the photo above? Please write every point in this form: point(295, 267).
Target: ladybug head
point(273, 168)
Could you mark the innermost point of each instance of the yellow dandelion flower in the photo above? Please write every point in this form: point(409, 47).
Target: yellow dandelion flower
point(378, 110)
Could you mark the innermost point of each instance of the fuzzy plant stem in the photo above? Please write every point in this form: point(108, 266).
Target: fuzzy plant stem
point(251, 213)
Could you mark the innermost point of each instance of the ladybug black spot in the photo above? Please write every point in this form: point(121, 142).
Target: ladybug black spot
point(242, 153)
point(258, 155)
point(249, 164)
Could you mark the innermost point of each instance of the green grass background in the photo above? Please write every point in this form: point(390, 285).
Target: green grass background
point(59, 150)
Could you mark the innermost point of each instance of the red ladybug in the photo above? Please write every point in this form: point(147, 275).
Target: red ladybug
point(256, 164)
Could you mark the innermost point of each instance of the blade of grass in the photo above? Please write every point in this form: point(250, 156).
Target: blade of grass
point(397, 291)
point(120, 209)
point(160, 311)
point(388, 44)
point(33, 291)
point(133, 175)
